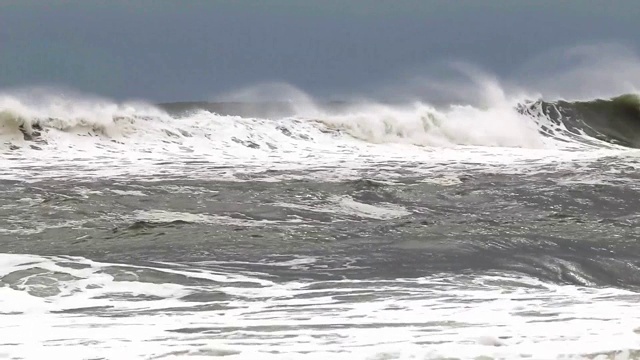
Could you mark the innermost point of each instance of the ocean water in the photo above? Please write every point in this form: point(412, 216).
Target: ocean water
point(363, 231)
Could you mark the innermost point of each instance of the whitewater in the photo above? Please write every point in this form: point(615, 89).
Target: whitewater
point(108, 139)
point(362, 230)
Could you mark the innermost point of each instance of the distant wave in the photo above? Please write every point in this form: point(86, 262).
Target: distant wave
point(615, 120)
point(79, 127)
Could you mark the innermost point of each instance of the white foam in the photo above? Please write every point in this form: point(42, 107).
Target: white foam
point(499, 126)
point(128, 192)
point(346, 205)
point(82, 138)
point(160, 216)
point(26, 226)
point(495, 316)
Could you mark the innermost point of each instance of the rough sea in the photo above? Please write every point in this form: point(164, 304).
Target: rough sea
point(359, 231)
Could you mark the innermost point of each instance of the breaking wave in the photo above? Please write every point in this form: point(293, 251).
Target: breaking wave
point(59, 131)
point(615, 121)
point(528, 124)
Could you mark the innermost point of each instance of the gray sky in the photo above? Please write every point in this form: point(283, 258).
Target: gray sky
point(192, 50)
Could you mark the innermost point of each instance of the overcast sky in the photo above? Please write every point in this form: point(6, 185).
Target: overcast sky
point(193, 50)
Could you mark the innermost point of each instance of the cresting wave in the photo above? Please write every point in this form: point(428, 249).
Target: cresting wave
point(613, 121)
point(417, 124)
point(55, 129)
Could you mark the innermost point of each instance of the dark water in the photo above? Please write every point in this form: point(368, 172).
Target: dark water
point(562, 232)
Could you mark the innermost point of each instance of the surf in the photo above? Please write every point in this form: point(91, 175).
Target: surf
point(615, 121)
point(111, 138)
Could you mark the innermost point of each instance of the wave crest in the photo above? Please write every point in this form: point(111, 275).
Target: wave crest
point(276, 130)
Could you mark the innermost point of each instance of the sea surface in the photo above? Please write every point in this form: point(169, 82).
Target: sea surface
point(362, 231)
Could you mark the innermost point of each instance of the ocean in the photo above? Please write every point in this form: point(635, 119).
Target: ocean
point(319, 231)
